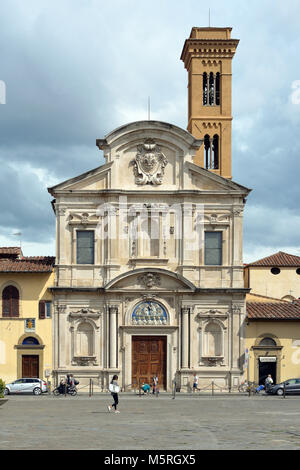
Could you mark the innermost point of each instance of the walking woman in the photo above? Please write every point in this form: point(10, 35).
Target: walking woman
point(114, 389)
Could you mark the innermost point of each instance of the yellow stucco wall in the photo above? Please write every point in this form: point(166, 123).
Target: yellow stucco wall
point(287, 335)
point(32, 288)
point(263, 282)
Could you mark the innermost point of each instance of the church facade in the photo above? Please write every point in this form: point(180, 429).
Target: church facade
point(149, 269)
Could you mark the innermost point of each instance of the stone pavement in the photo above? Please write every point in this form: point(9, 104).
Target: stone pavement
point(150, 423)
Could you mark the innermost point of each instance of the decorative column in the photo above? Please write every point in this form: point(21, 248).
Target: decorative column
point(185, 336)
point(113, 337)
point(60, 234)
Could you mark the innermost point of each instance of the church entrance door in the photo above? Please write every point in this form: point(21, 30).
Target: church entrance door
point(30, 366)
point(149, 357)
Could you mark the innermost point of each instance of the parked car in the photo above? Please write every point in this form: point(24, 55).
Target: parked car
point(26, 385)
point(292, 387)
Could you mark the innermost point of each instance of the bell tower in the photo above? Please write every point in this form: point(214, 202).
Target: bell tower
point(207, 55)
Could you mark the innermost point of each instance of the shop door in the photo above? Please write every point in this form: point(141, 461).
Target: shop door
point(266, 368)
point(30, 366)
point(149, 359)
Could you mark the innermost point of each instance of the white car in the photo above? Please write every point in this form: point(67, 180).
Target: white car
point(30, 385)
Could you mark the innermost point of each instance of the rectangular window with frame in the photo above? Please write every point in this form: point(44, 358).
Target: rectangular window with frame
point(44, 309)
point(213, 248)
point(85, 247)
point(48, 309)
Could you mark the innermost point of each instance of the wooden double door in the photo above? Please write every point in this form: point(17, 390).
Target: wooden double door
point(149, 357)
point(30, 366)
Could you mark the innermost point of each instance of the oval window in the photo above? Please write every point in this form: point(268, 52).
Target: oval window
point(275, 271)
point(298, 271)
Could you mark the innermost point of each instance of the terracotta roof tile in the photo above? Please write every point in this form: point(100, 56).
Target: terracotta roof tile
point(29, 264)
point(10, 250)
point(273, 311)
point(278, 259)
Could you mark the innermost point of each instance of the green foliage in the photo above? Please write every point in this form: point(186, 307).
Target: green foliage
point(2, 388)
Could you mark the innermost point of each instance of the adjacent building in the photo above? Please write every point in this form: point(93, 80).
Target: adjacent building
point(277, 275)
point(273, 320)
point(26, 315)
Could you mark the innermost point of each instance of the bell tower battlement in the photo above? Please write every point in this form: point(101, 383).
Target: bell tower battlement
point(207, 55)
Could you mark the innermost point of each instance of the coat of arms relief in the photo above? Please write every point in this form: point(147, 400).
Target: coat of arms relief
point(149, 164)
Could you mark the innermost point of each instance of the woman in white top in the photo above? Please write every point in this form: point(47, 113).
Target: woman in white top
point(114, 388)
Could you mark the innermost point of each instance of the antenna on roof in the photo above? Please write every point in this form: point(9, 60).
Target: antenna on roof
point(209, 17)
point(19, 234)
point(148, 108)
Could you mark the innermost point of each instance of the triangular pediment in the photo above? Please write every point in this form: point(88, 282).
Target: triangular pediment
point(205, 180)
point(95, 179)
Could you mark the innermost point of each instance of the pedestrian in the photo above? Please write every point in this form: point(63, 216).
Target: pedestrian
point(62, 385)
point(195, 382)
point(154, 384)
point(146, 388)
point(268, 382)
point(114, 389)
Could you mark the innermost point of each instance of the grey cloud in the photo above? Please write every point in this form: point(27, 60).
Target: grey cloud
point(76, 70)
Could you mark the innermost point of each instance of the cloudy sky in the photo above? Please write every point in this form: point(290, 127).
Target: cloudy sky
point(74, 70)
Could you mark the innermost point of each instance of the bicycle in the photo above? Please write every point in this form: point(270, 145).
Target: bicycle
point(243, 387)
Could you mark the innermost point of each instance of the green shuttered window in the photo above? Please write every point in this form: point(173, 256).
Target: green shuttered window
point(85, 246)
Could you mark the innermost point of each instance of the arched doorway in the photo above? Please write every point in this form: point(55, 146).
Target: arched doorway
point(149, 358)
point(267, 355)
point(149, 353)
point(30, 357)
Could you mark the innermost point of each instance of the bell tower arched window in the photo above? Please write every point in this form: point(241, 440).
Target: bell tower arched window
point(211, 152)
point(218, 89)
point(211, 89)
point(215, 152)
point(205, 90)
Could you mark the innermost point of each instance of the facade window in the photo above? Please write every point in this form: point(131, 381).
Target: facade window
point(85, 246)
point(275, 271)
point(30, 340)
point(213, 340)
point(44, 309)
point(10, 302)
point(213, 248)
point(211, 150)
point(267, 342)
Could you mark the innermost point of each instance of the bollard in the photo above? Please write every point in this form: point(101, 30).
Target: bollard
point(174, 391)
point(283, 389)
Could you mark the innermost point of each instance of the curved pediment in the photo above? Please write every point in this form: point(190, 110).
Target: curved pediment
point(150, 279)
